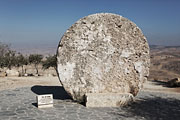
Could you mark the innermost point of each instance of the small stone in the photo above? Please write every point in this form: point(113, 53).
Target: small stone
point(174, 82)
point(25, 75)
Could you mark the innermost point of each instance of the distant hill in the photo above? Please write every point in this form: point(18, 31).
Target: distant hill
point(162, 47)
point(165, 62)
point(37, 50)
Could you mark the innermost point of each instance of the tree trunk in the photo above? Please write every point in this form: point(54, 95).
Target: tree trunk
point(25, 71)
point(22, 70)
point(36, 67)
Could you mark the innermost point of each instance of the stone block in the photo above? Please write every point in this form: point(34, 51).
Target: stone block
point(108, 99)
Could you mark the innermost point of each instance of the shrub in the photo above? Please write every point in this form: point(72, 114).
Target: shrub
point(50, 61)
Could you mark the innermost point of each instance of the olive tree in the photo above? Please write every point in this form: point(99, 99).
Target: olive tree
point(36, 60)
point(4, 48)
point(50, 61)
point(9, 59)
point(21, 61)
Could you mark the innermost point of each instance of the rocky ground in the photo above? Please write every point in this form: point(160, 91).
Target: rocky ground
point(18, 98)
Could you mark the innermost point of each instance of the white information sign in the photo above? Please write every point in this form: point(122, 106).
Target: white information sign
point(44, 101)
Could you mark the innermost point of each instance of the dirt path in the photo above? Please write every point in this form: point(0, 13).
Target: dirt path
point(17, 82)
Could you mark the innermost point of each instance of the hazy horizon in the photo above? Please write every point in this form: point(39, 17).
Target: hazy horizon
point(37, 23)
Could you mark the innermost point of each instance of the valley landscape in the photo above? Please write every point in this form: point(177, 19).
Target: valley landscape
point(164, 100)
point(165, 62)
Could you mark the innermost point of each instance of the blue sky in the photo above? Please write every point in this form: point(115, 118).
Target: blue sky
point(26, 23)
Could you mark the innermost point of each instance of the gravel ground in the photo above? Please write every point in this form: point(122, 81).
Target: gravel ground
point(19, 104)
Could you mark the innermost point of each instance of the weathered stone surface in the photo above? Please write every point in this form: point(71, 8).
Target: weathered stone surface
point(108, 99)
point(12, 73)
point(103, 53)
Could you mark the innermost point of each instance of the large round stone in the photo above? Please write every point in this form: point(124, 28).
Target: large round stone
point(103, 53)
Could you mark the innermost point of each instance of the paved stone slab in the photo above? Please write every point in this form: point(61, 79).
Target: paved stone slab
point(147, 106)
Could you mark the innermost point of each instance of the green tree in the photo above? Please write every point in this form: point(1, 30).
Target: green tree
point(21, 61)
point(4, 48)
point(9, 59)
point(2, 62)
point(36, 60)
point(50, 61)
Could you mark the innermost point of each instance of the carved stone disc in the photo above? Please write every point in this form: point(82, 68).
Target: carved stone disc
point(103, 53)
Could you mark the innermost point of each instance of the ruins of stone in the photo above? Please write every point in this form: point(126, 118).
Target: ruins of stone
point(103, 53)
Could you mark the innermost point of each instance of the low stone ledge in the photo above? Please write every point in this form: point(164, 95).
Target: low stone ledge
point(108, 99)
